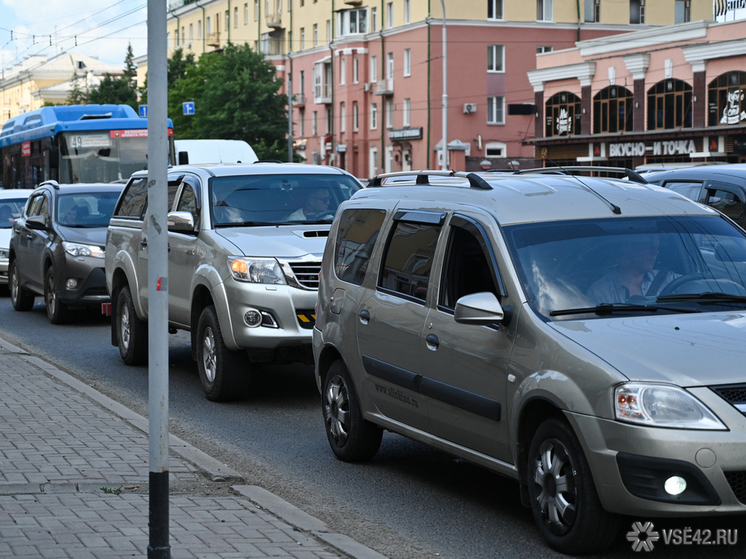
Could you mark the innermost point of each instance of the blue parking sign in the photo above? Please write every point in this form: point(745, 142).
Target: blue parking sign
point(188, 107)
point(143, 110)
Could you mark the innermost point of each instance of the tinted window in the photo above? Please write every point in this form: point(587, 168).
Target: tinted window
point(689, 189)
point(727, 202)
point(134, 200)
point(409, 258)
point(86, 209)
point(358, 231)
point(188, 201)
point(9, 211)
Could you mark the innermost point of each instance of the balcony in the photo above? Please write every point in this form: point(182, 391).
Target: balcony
point(322, 94)
point(353, 2)
point(273, 18)
point(299, 100)
point(213, 39)
point(385, 87)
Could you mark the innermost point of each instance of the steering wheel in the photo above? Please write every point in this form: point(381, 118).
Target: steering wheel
point(706, 284)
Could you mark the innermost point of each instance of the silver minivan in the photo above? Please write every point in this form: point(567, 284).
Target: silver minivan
point(583, 336)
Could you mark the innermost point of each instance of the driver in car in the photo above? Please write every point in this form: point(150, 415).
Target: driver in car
point(317, 202)
point(634, 275)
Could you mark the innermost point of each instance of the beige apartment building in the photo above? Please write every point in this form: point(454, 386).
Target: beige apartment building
point(37, 80)
point(367, 76)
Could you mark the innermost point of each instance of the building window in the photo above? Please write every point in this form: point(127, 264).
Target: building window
point(496, 110)
point(670, 105)
point(592, 11)
point(407, 62)
point(207, 29)
point(191, 33)
point(727, 99)
point(540, 50)
point(373, 116)
point(563, 115)
point(199, 30)
point(235, 18)
point(389, 15)
point(683, 11)
point(256, 10)
point(494, 9)
point(390, 65)
point(315, 123)
point(612, 110)
point(302, 122)
point(328, 31)
point(246, 14)
point(352, 22)
point(227, 20)
point(328, 121)
point(389, 113)
point(342, 70)
point(355, 117)
point(406, 11)
point(637, 11)
point(544, 10)
point(373, 162)
point(495, 58)
point(495, 149)
point(355, 71)
point(342, 118)
point(373, 20)
point(406, 113)
point(316, 34)
point(373, 69)
point(302, 38)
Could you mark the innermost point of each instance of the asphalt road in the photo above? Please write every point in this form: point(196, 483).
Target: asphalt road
point(409, 502)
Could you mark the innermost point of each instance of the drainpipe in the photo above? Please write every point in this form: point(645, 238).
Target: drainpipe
point(429, 91)
point(577, 2)
point(290, 90)
point(444, 147)
point(382, 125)
point(331, 89)
point(228, 21)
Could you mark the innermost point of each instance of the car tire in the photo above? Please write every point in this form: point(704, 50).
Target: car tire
point(562, 494)
point(21, 299)
point(352, 438)
point(224, 373)
point(57, 312)
point(132, 333)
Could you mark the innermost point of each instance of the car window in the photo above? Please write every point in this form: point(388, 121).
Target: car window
point(10, 210)
point(358, 231)
point(134, 200)
point(689, 189)
point(409, 258)
point(86, 209)
point(727, 202)
point(188, 201)
point(468, 264)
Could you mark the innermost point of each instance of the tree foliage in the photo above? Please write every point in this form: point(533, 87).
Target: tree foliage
point(118, 90)
point(235, 92)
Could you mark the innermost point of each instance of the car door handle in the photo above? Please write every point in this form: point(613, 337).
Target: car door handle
point(364, 317)
point(432, 342)
point(29, 236)
point(144, 244)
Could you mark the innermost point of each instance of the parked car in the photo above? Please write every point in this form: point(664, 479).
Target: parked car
point(583, 336)
point(721, 186)
point(57, 248)
point(11, 206)
point(245, 251)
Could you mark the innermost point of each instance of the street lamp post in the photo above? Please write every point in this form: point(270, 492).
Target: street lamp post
point(444, 142)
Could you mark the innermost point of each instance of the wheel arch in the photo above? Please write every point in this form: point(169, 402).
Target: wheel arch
point(535, 411)
point(201, 298)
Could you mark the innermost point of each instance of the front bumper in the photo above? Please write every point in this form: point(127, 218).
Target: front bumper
point(630, 463)
point(90, 283)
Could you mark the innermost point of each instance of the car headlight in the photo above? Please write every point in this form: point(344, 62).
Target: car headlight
point(662, 405)
point(77, 249)
point(4, 253)
point(256, 270)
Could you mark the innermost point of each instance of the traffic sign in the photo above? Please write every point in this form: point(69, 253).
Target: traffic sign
point(188, 107)
point(143, 110)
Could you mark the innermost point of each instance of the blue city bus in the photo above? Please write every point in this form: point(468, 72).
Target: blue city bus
point(75, 143)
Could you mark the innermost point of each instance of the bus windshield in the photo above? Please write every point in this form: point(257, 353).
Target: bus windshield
point(101, 155)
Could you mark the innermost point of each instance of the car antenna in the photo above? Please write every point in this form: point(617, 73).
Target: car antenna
point(614, 208)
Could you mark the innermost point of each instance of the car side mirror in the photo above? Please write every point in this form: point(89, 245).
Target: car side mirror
point(181, 222)
point(38, 222)
point(479, 308)
point(183, 158)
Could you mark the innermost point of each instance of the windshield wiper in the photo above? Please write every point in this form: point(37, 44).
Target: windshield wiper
point(246, 223)
point(610, 308)
point(706, 297)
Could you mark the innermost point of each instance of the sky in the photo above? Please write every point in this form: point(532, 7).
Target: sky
point(97, 28)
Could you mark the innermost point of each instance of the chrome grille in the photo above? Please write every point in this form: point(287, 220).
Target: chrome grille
point(307, 273)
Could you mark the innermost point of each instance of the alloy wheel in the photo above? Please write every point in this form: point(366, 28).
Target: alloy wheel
point(337, 410)
point(555, 474)
point(209, 356)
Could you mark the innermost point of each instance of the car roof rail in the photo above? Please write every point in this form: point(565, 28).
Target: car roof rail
point(52, 183)
point(423, 178)
point(577, 169)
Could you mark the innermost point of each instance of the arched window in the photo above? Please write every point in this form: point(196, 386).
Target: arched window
point(670, 105)
point(727, 99)
point(612, 110)
point(563, 114)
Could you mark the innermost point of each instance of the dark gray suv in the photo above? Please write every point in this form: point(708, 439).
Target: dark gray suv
point(57, 248)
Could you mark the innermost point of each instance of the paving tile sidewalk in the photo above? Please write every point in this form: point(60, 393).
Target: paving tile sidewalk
point(74, 475)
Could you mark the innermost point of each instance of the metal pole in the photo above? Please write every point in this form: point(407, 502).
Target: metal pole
point(444, 146)
point(156, 235)
point(290, 115)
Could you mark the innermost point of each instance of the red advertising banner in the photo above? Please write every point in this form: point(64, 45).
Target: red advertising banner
point(26, 149)
point(136, 133)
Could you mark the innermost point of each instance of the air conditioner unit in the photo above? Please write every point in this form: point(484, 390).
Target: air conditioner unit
point(367, 87)
point(470, 108)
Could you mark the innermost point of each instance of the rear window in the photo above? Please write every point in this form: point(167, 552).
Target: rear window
point(409, 259)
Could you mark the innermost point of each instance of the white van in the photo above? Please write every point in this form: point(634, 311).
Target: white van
point(200, 152)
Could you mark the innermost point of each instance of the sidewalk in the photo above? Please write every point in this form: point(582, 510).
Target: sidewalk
point(74, 483)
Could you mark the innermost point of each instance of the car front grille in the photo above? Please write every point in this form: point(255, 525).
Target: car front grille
point(307, 273)
point(735, 394)
point(737, 482)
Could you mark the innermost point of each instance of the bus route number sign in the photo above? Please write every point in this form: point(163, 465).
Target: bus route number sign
point(90, 141)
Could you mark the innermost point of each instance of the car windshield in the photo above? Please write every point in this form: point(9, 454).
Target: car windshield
point(86, 209)
point(613, 267)
point(278, 199)
point(10, 210)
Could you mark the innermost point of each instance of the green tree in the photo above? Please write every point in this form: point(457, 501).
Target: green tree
point(78, 92)
point(118, 90)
